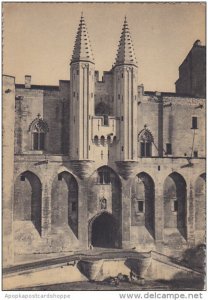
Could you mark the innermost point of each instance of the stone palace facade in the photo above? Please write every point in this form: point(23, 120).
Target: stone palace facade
point(104, 163)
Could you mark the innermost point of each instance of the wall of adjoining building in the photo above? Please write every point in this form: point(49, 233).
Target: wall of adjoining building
point(192, 72)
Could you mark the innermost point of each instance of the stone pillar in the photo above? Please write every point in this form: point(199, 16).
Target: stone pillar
point(82, 213)
point(190, 216)
point(159, 213)
point(46, 209)
point(126, 214)
point(160, 126)
point(8, 92)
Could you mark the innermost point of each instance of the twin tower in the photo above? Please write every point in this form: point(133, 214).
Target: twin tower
point(90, 137)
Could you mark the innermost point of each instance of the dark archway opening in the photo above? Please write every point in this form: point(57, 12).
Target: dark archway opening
point(103, 231)
point(175, 206)
point(64, 202)
point(28, 199)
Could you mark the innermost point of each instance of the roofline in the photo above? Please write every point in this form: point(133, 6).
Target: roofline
point(194, 46)
point(36, 86)
point(124, 64)
point(81, 60)
point(8, 76)
point(171, 94)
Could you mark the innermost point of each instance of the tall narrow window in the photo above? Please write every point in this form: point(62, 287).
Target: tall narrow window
point(145, 149)
point(140, 207)
point(168, 148)
point(38, 140)
point(105, 120)
point(175, 205)
point(104, 176)
point(194, 123)
point(195, 153)
point(38, 129)
point(145, 139)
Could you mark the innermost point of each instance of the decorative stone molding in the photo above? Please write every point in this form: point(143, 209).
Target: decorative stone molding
point(82, 168)
point(145, 135)
point(38, 125)
point(126, 168)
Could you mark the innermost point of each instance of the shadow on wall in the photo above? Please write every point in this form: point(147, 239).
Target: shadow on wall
point(102, 109)
point(195, 258)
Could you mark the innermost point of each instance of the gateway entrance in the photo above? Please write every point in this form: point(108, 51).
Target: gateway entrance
point(103, 231)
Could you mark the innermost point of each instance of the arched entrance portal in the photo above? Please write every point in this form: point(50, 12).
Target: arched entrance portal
point(103, 231)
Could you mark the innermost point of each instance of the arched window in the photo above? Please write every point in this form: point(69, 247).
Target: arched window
point(102, 140)
point(109, 140)
point(96, 140)
point(38, 129)
point(103, 176)
point(145, 140)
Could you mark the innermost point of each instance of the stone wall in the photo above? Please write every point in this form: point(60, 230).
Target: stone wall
point(176, 124)
point(192, 73)
point(29, 104)
point(61, 237)
point(8, 95)
point(104, 94)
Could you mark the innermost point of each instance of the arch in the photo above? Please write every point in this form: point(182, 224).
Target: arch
point(64, 202)
point(143, 202)
point(38, 124)
point(145, 135)
point(175, 198)
point(108, 139)
point(200, 203)
point(28, 199)
point(104, 194)
point(38, 129)
point(103, 230)
point(96, 140)
point(145, 140)
point(106, 175)
point(102, 140)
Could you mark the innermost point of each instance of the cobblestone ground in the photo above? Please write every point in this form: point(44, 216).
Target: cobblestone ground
point(190, 285)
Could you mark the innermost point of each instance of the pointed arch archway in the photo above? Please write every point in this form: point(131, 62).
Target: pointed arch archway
point(28, 199)
point(103, 230)
point(175, 206)
point(64, 202)
point(104, 196)
point(143, 202)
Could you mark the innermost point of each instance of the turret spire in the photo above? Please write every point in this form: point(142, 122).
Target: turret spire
point(125, 53)
point(82, 48)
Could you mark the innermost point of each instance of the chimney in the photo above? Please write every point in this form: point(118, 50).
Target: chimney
point(197, 43)
point(140, 90)
point(27, 81)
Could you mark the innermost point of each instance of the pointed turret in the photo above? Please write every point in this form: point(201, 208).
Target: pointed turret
point(82, 48)
point(125, 94)
point(82, 70)
point(125, 53)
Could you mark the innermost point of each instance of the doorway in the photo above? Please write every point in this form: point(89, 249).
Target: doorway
point(103, 231)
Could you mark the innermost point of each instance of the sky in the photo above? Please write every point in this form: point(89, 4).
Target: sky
point(38, 38)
